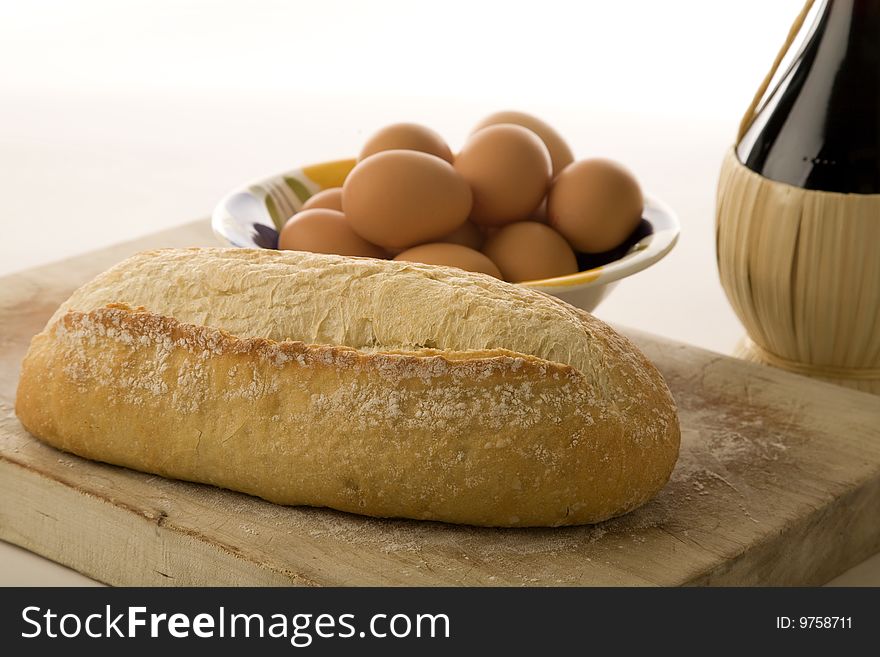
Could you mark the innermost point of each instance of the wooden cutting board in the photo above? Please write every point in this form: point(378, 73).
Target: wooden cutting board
point(778, 483)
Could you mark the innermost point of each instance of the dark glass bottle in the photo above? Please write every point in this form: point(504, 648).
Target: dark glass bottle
point(820, 128)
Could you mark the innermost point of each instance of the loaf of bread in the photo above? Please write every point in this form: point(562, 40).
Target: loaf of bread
point(384, 388)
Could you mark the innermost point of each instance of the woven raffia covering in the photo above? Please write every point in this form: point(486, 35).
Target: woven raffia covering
point(802, 271)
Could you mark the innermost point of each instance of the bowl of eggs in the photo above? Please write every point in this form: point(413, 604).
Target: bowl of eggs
point(513, 203)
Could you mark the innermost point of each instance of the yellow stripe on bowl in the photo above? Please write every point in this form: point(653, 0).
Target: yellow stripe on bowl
point(329, 174)
point(581, 278)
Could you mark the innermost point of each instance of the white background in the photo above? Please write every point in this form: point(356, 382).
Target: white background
point(121, 118)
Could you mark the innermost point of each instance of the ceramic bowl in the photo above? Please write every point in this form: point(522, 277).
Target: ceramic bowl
point(252, 215)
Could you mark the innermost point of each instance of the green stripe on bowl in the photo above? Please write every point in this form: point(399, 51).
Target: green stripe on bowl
point(298, 188)
point(277, 219)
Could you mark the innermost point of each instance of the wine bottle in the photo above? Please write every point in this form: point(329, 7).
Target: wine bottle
point(798, 204)
point(820, 127)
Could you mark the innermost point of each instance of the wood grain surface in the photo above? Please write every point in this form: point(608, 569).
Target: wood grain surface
point(778, 483)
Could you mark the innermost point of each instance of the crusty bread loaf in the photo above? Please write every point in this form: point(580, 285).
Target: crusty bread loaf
point(378, 387)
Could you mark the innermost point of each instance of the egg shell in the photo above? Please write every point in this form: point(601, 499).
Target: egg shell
point(330, 199)
point(401, 198)
point(596, 204)
point(467, 235)
point(407, 136)
point(450, 255)
point(560, 153)
point(321, 230)
point(508, 169)
point(529, 251)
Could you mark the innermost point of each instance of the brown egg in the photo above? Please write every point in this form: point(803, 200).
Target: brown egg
point(529, 251)
point(407, 136)
point(508, 169)
point(321, 230)
point(560, 153)
point(595, 204)
point(330, 199)
point(400, 198)
point(450, 255)
point(467, 235)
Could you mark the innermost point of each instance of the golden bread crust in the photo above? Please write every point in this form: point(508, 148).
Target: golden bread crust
point(478, 436)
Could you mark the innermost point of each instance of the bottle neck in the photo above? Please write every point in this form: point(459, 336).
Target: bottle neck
point(820, 127)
